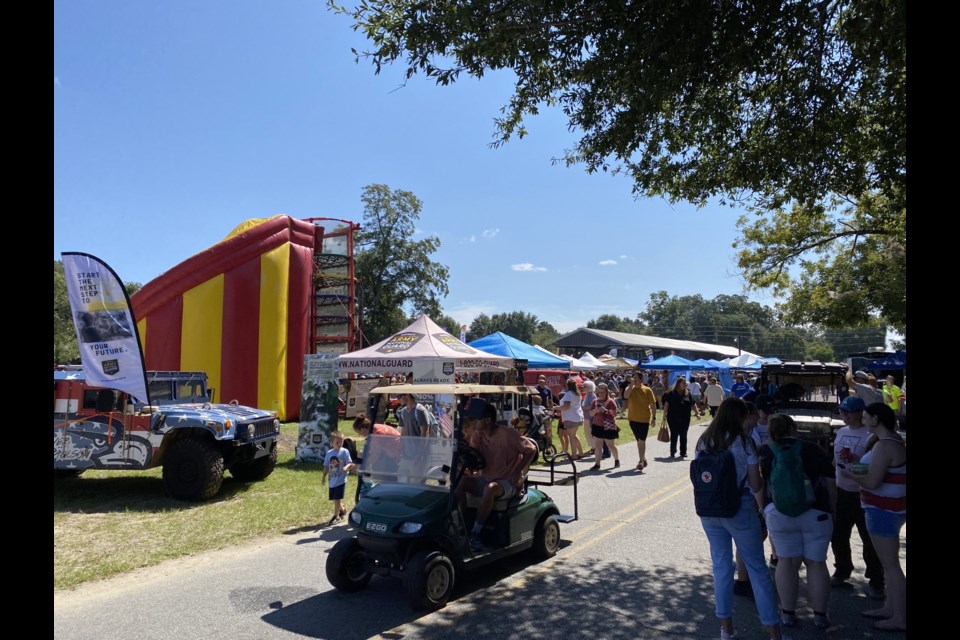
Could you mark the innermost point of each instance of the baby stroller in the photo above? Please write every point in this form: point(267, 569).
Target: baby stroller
point(531, 426)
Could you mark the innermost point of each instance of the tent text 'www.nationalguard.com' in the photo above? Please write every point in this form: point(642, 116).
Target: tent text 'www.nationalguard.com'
point(375, 364)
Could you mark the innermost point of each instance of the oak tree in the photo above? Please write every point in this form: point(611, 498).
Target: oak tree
point(784, 108)
point(395, 276)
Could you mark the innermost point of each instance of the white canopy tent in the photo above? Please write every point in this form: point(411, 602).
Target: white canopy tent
point(579, 365)
point(589, 358)
point(748, 361)
point(536, 346)
point(422, 340)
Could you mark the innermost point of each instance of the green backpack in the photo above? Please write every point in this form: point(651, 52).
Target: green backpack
point(791, 489)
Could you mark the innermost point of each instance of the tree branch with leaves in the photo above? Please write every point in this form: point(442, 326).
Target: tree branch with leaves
point(396, 277)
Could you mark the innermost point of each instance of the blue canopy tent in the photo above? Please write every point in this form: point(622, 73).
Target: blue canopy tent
point(721, 371)
point(501, 344)
point(704, 365)
point(670, 363)
point(722, 366)
point(895, 361)
point(674, 364)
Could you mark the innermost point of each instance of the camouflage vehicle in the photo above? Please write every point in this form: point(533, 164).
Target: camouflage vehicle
point(183, 431)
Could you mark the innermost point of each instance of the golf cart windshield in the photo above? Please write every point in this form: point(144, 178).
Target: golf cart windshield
point(408, 460)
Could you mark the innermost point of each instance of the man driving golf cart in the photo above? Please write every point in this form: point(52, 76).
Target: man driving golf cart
point(408, 521)
point(507, 455)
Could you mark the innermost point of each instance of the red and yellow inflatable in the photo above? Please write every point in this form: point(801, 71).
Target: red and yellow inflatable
point(241, 311)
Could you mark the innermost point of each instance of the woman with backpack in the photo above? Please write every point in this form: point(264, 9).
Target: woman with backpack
point(725, 434)
point(798, 498)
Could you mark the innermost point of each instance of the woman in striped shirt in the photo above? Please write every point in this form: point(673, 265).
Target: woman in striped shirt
point(883, 494)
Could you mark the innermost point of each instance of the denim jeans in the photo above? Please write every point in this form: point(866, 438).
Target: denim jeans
point(744, 529)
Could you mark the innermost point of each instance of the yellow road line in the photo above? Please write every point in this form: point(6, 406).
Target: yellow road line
point(619, 513)
point(665, 494)
point(678, 487)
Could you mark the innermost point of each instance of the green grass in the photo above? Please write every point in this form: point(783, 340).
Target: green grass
point(106, 523)
point(110, 522)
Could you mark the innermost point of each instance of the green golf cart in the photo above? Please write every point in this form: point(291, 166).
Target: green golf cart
point(407, 521)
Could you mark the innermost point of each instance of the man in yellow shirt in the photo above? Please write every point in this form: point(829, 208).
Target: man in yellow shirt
point(641, 412)
point(892, 394)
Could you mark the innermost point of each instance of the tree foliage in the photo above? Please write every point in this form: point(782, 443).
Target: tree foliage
point(819, 351)
point(737, 322)
point(65, 348)
point(545, 335)
point(521, 325)
point(787, 101)
point(851, 262)
point(725, 320)
point(448, 323)
point(610, 322)
point(774, 105)
point(396, 277)
point(843, 342)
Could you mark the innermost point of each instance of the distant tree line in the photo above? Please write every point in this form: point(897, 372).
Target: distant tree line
point(733, 320)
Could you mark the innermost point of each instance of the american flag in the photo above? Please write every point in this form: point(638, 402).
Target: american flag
point(446, 422)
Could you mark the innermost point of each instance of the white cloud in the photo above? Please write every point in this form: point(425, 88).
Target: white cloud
point(56, 81)
point(526, 266)
point(606, 263)
point(489, 233)
point(623, 257)
point(472, 239)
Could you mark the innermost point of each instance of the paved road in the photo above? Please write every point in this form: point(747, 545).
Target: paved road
point(635, 566)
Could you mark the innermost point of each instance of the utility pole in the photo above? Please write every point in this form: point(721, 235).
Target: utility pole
point(738, 344)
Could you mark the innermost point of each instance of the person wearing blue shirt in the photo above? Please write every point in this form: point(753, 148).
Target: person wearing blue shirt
point(740, 387)
point(337, 463)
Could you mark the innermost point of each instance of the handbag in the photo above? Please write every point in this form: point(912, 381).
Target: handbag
point(610, 422)
point(664, 434)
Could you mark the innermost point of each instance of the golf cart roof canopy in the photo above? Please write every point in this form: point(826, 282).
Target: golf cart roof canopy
point(456, 389)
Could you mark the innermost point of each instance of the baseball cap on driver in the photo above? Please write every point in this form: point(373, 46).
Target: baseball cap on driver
point(477, 409)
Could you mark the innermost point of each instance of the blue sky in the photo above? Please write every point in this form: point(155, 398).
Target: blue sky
point(174, 122)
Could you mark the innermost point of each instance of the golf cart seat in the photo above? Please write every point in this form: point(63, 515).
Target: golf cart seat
point(502, 504)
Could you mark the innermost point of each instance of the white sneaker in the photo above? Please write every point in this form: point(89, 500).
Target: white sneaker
point(725, 636)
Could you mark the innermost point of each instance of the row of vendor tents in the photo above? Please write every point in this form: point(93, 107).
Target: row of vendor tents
point(425, 340)
point(539, 358)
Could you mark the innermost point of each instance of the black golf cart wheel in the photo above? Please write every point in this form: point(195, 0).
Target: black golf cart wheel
point(192, 470)
point(347, 566)
point(549, 451)
point(428, 580)
point(546, 538)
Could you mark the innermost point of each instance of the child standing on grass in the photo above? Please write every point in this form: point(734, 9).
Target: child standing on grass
point(337, 464)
